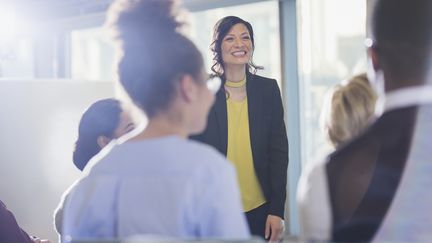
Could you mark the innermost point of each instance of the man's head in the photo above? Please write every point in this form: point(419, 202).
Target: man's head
point(402, 37)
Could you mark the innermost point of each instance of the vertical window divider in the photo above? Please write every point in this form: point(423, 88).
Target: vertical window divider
point(291, 91)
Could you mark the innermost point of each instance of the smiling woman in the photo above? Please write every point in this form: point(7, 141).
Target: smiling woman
point(246, 124)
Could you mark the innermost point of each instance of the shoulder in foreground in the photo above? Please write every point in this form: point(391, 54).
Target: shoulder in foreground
point(202, 150)
point(359, 145)
point(314, 167)
point(313, 203)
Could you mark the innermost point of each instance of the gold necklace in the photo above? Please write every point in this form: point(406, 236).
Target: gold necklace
point(235, 84)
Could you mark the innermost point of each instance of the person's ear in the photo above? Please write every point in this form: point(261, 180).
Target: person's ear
point(372, 53)
point(188, 89)
point(102, 141)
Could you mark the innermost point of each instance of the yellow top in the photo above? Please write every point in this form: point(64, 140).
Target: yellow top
point(240, 154)
point(235, 84)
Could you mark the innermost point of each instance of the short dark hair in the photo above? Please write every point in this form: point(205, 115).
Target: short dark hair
point(221, 29)
point(402, 30)
point(154, 55)
point(100, 119)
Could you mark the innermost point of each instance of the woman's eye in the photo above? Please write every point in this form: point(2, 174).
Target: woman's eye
point(246, 38)
point(229, 39)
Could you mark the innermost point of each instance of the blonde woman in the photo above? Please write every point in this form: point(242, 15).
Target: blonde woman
point(348, 110)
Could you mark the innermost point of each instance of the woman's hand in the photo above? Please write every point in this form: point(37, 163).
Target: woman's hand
point(274, 229)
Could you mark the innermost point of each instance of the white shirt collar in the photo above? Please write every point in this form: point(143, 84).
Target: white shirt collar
point(404, 97)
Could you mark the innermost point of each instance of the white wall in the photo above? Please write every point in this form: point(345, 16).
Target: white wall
point(39, 125)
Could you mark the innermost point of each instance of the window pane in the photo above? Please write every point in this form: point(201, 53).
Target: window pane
point(92, 55)
point(16, 47)
point(17, 59)
point(331, 35)
point(264, 18)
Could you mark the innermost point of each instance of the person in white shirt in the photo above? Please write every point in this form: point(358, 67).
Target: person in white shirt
point(347, 196)
point(155, 181)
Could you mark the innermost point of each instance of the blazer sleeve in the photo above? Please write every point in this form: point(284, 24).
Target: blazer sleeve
point(278, 154)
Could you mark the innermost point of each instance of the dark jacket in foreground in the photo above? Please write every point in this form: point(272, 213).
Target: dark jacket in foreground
point(364, 175)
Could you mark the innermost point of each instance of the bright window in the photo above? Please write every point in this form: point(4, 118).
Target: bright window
point(92, 55)
point(330, 42)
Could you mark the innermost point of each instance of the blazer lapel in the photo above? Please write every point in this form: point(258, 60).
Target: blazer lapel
point(255, 106)
point(222, 118)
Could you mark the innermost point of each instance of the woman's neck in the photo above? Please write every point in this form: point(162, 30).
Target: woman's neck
point(235, 73)
point(160, 126)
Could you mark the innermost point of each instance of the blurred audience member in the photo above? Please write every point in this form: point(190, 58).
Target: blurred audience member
point(347, 196)
point(157, 182)
point(102, 122)
point(348, 110)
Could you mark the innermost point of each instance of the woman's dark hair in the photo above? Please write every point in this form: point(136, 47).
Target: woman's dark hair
point(221, 29)
point(154, 55)
point(100, 119)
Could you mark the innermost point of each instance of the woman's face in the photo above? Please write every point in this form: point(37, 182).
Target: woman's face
point(237, 46)
point(125, 125)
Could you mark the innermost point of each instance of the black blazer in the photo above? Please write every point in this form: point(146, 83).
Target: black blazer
point(268, 136)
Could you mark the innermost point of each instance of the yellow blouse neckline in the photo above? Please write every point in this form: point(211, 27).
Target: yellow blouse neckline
point(235, 84)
